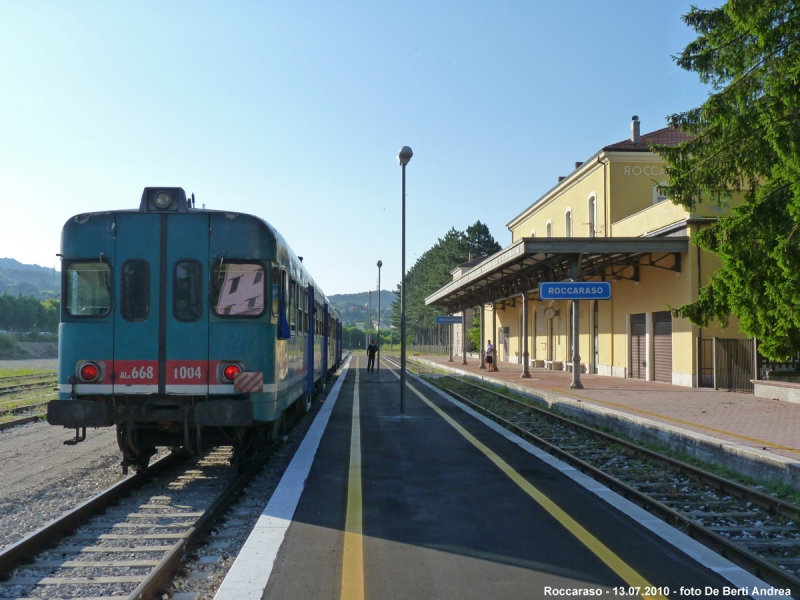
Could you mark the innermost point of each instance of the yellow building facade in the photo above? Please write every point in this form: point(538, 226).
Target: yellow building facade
point(610, 202)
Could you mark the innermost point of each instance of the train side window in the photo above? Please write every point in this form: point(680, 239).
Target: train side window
point(187, 291)
point(88, 289)
point(135, 291)
point(293, 305)
point(238, 289)
point(306, 312)
point(276, 291)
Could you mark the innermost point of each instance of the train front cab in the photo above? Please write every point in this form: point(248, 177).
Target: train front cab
point(164, 310)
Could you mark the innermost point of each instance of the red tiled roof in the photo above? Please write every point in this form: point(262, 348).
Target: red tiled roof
point(667, 137)
point(472, 263)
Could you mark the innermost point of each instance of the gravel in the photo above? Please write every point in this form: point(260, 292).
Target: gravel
point(42, 478)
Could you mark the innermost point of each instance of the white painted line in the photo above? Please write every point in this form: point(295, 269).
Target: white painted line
point(251, 571)
point(738, 577)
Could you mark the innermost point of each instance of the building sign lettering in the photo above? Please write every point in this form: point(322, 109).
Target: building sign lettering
point(651, 170)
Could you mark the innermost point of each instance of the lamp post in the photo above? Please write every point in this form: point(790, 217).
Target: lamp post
point(403, 157)
point(380, 264)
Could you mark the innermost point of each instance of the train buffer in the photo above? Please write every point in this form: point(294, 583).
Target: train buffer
point(441, 503)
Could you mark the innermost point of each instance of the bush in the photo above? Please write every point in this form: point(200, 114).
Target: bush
point(7, 342)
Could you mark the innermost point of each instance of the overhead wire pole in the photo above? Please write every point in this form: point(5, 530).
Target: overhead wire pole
point(403, 157)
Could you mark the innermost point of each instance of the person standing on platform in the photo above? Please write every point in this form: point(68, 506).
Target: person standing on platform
point(372, 350)
point(489, 356)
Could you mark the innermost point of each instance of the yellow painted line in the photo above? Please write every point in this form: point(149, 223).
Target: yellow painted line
point(631, 577)
point(626, 407)
point(353, 560)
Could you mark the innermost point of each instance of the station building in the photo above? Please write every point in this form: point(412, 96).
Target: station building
point(605, 221)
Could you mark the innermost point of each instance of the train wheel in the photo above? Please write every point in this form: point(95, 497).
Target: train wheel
point(275, 430)
point(142, 460)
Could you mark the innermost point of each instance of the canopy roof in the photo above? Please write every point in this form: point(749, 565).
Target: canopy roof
point(519, 268)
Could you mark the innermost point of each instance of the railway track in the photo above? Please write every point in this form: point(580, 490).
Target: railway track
point(50, 375)
point(16, 388)
point(132, 548)
point(758, 532)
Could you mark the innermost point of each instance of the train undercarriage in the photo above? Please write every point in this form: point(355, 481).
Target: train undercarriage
point(177, 422)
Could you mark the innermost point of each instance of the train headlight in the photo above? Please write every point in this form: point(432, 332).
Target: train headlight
point(163, 200)
point(229, 372)
point(89, 372)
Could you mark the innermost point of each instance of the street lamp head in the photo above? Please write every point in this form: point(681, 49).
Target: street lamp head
point(404, 155)
point(380, 264)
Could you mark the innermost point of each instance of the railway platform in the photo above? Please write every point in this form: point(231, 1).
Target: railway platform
point(443, 503)
point(759, 437)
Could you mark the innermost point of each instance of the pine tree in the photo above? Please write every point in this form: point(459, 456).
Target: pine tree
point(745, 137)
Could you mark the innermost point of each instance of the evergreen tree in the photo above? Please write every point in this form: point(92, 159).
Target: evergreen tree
point(745, 137)
point(432, 271)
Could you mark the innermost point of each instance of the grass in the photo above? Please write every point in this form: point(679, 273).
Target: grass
point(20, 372)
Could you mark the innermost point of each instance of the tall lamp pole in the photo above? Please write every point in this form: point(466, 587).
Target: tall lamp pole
point(380, 264)
point(403, 157)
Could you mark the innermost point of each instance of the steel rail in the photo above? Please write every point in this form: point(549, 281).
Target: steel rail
point(25, 549)
point(740, 556)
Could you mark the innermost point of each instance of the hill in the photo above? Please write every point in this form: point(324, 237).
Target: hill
point(29, 280)
point(353, 307)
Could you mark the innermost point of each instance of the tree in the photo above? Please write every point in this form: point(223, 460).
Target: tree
point(745, 137)
point(432, 271)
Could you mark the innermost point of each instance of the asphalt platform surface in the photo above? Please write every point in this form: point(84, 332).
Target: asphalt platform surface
point(445, 506)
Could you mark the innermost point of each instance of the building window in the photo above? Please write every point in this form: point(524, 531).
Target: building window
point(568, 224)
point(592, 216)
point(656, 196)
point(549, 229)
point(533, 233)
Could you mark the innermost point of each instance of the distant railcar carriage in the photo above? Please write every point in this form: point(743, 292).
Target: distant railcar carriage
point(186, 327)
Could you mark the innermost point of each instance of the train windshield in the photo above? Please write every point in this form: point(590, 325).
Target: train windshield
point(238, 289)
point(88, 289)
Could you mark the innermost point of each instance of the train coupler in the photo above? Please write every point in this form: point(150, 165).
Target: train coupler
point(80, 436)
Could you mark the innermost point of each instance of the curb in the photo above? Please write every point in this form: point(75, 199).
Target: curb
point(755, 463)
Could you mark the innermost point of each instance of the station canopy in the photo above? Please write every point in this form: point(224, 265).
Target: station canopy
point(519, 268)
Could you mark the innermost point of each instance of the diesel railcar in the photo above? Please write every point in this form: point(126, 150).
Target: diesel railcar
point(186, 327)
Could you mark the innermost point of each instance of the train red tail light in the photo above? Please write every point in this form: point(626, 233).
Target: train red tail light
point(89, 372)
point(229, 372)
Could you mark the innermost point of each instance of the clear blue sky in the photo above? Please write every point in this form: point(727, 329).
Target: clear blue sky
point(295, 111)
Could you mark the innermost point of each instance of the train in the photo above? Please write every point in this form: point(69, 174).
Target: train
point(186, 328)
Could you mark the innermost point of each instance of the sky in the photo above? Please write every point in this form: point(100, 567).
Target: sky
point(295, 112)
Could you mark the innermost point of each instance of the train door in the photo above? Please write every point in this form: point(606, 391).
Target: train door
point(239, 326)
point(137, 311)
point(185, 275)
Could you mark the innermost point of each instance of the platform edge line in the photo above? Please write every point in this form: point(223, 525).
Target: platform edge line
point(249, 575)
point(353, 551)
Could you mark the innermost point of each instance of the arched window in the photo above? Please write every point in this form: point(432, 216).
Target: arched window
point(592, 216)
point(568, 223)
point(533, 233)
point(549, 229)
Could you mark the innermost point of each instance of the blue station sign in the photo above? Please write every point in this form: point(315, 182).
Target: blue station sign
point(575, 290)
point(449, 320)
